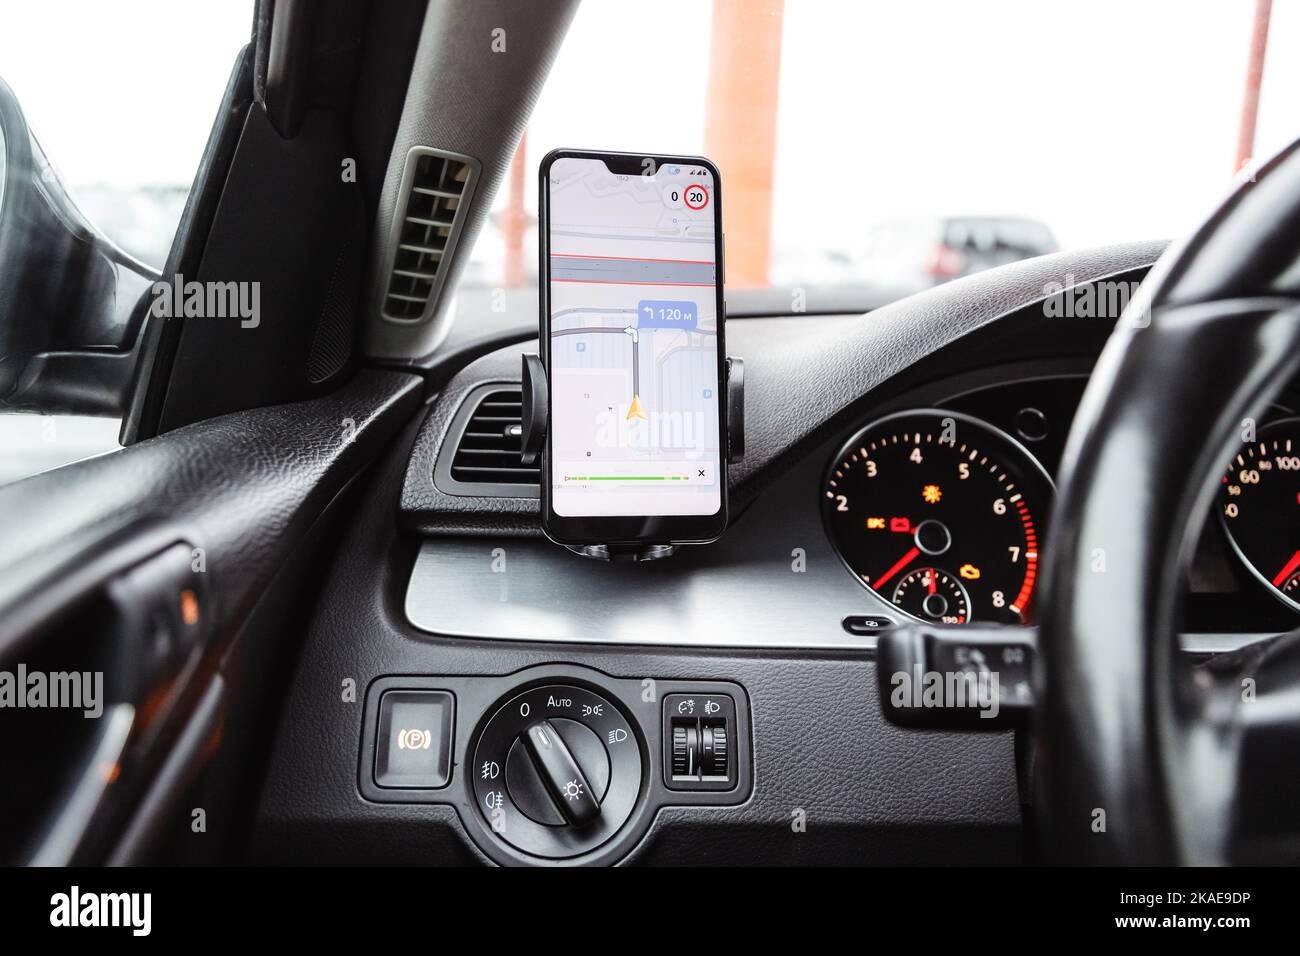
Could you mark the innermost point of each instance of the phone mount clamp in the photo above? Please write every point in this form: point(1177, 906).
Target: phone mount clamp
point(536, 413)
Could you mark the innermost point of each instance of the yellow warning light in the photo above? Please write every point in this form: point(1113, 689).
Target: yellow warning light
point(931, 494)
point(875, 524)
point(969, 572)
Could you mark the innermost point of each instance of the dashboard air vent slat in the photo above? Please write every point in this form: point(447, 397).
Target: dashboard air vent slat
point(488, 449)
point(437, 190)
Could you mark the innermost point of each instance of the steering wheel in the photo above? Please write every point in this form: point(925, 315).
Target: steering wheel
point(1146, 758)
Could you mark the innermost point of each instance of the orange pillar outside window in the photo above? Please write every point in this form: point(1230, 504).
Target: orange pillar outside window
point(740, 130)
point(514, 219)
point(1254, 77)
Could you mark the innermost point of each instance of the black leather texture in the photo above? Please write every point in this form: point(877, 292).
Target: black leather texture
point(803, 376)
point(242, 486)
point(866, 792)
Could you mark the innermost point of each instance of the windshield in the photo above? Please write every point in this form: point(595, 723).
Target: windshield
point(121, 97)
point(117, 101)
point(872, 150)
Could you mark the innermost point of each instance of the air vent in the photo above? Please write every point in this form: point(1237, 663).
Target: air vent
point(437, 187)
point(481, 455)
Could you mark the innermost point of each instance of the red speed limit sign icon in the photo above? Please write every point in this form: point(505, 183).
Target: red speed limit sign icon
point(697, 197)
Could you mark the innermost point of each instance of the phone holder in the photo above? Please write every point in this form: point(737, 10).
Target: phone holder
point(537, 412)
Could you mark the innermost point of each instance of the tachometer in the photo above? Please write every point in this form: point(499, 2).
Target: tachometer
point(1259, 501)
point(941, 515)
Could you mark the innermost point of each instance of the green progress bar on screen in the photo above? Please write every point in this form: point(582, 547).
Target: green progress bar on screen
point(626, 478)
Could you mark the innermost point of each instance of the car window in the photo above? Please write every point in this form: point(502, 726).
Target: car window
point(123, 103)
point(1069, 125)
point(114, 102)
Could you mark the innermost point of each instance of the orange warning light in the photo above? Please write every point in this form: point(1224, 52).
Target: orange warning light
point(189, 608)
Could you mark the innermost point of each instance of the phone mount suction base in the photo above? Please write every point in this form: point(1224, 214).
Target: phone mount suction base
point(537, 412)
point(623, 553)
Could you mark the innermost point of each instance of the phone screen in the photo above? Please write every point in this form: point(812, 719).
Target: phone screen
point(633, 324)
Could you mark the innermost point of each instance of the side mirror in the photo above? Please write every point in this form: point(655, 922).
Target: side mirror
point(68, 326)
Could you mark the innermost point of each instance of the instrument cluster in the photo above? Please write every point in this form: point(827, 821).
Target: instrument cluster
point(942, 515)
point(944, 512)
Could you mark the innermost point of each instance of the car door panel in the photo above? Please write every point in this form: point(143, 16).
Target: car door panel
point(145, 565)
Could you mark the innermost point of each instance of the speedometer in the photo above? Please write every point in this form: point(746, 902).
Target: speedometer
point(940, 514)
point(1259, 501)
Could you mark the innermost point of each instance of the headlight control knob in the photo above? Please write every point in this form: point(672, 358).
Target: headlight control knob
point(557, 770)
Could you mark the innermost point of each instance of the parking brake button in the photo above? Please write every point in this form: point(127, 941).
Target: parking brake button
point(413, 749)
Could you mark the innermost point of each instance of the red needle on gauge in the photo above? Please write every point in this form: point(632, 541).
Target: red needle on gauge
point(903, 562)
point(1286, 571)
point(933, 586)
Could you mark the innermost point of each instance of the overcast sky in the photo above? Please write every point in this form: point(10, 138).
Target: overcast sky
point(122, 91)
point(1107, 119)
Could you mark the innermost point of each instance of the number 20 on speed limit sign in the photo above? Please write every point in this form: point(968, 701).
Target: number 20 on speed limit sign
point(696, 197)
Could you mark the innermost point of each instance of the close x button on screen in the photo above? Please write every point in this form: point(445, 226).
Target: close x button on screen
point(413, 748)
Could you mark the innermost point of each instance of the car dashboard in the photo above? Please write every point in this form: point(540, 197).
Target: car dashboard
point(788, 573)
point(742, 673)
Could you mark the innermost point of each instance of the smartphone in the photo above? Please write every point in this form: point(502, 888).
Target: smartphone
point(631, 285)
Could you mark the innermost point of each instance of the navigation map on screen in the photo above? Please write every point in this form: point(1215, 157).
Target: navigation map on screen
point(634, 352)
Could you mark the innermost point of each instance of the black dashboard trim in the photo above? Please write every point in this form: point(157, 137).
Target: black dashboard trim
point(834, 363)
